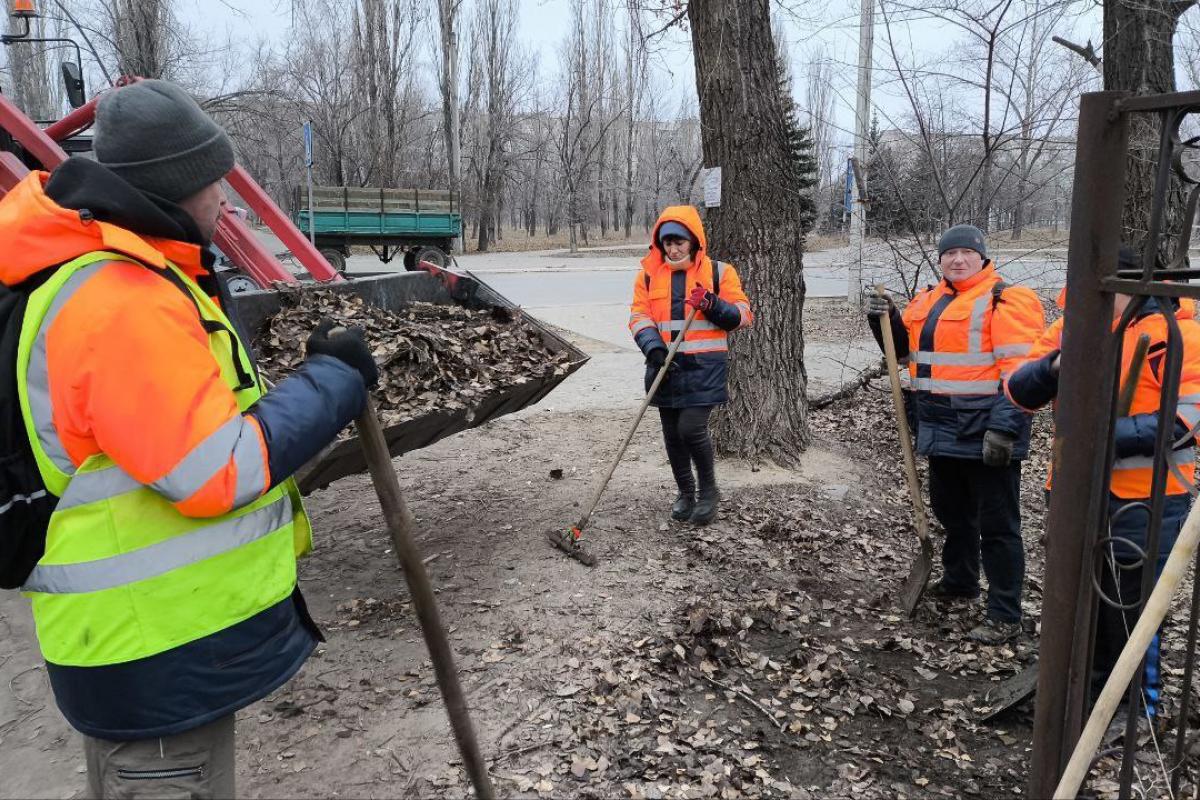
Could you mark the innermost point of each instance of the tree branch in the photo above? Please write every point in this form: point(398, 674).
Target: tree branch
point(1087, 53)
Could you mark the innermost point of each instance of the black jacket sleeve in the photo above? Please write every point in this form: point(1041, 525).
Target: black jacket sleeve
point(306, 411)
point(1034, 384)
point(899, 332)
point(724, 315)
point(1135, 435)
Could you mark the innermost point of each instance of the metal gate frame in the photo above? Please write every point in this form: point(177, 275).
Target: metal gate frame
point(1087, 398)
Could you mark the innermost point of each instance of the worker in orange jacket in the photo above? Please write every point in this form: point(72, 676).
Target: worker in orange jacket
point(166, 599)
point(1035, 384)
point(678, 274)
point(961, 338)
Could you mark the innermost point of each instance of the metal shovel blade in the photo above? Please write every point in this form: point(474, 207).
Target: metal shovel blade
point(1019, 687)
point(918, 578)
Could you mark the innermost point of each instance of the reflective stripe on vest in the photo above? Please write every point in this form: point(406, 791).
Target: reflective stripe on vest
point(157, 559)
point(955, 359)
point(677, 325)
point(943, 386)
point(125, 575)
point(38, 375)
point(967, 367)
point(209, 456)
point(1185, 456)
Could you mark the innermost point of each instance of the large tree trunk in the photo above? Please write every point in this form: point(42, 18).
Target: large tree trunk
point(758, 227)
point(1139, 56)
point(30, 73)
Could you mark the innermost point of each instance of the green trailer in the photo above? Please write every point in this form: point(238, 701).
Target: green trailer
point(417, 224)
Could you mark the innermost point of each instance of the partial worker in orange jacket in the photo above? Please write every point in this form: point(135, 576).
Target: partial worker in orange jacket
point(961, 338)
point(1035, 384)
point(677, 274)
point(166, 598)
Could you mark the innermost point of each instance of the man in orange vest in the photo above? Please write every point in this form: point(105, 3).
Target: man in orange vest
point(961, 338)
point(1035, 384)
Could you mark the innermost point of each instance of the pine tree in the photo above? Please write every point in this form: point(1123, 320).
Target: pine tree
point(800, 173)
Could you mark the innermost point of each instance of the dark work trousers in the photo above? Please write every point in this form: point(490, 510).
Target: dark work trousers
point(980, 508)
point(1121, 581)
point(685, 431)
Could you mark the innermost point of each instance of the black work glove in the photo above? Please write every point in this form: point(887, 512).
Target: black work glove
point(657, 357)
point(998, 448)
point(879, 305)
point(347, 346)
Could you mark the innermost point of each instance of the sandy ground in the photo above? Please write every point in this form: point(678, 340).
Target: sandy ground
point(758, 657)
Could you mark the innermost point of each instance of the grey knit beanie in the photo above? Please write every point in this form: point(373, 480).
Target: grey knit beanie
point(156, 137)
point(967, 236)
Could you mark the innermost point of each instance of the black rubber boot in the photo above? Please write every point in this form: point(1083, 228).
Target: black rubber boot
point(682, 508)
point(706, 505)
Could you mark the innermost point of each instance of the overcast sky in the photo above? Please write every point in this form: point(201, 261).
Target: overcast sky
point(544, 23)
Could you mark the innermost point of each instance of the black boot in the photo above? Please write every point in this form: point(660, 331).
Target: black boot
point(682, 508)
point(706, 504)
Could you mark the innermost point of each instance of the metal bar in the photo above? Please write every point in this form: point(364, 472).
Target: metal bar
point(281, 226)
point(1083, 420)
point(78, 120)
point(1139, 288)
point(238, 242)
point(1161, 184)
point(12, 171)
point(29, 135)
point(1158, 102)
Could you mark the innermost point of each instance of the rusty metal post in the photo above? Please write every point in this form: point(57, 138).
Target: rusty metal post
point(1083, 421)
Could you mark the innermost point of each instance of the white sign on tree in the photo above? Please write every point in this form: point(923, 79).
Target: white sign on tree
point(712, 186)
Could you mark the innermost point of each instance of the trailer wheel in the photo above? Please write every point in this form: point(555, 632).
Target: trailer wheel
point(335, 258)
point(410, 260)
point(433, 255)
point(241, 283)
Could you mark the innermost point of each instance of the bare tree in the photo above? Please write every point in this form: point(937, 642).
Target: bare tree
point(448, 14)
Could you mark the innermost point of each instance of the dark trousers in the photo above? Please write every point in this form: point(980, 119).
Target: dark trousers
point(980, 508)
point(1121, 581)
point(685, 431)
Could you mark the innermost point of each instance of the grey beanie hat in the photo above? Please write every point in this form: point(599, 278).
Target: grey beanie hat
point(967, 236)
point(156, 137)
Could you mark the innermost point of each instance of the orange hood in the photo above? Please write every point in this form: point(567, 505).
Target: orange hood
point(36, 233)
point(688, 217)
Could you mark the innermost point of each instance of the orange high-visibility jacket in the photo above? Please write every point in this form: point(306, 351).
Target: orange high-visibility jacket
point(1132, 472)
point(963, 340)
point(659, 308)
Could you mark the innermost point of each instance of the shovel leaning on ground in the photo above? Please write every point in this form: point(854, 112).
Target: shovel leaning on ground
point(918, 576)
point(400, 525)
point(568, 540)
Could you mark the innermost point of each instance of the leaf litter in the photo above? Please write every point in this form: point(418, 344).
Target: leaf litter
point(431, 357)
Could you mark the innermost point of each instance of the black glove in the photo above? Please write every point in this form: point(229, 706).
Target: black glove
point(998, 448)
point(657, 357)
point(879, 305)
point(346, 345)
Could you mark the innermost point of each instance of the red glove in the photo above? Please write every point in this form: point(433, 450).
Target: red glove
point(701, 299)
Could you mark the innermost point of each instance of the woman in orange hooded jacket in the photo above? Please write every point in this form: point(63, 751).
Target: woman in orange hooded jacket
point(677, 274)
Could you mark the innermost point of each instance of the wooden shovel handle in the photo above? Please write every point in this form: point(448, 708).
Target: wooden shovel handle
point(400, 525)
point(910, 458)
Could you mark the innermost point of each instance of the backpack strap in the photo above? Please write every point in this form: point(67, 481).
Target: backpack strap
point(717, 269)
point(211, 326)
point(998, 293)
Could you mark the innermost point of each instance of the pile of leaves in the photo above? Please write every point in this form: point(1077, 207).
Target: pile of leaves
point(431, 357)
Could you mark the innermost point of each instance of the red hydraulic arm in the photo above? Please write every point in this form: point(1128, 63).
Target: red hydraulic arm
point(233, 236)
